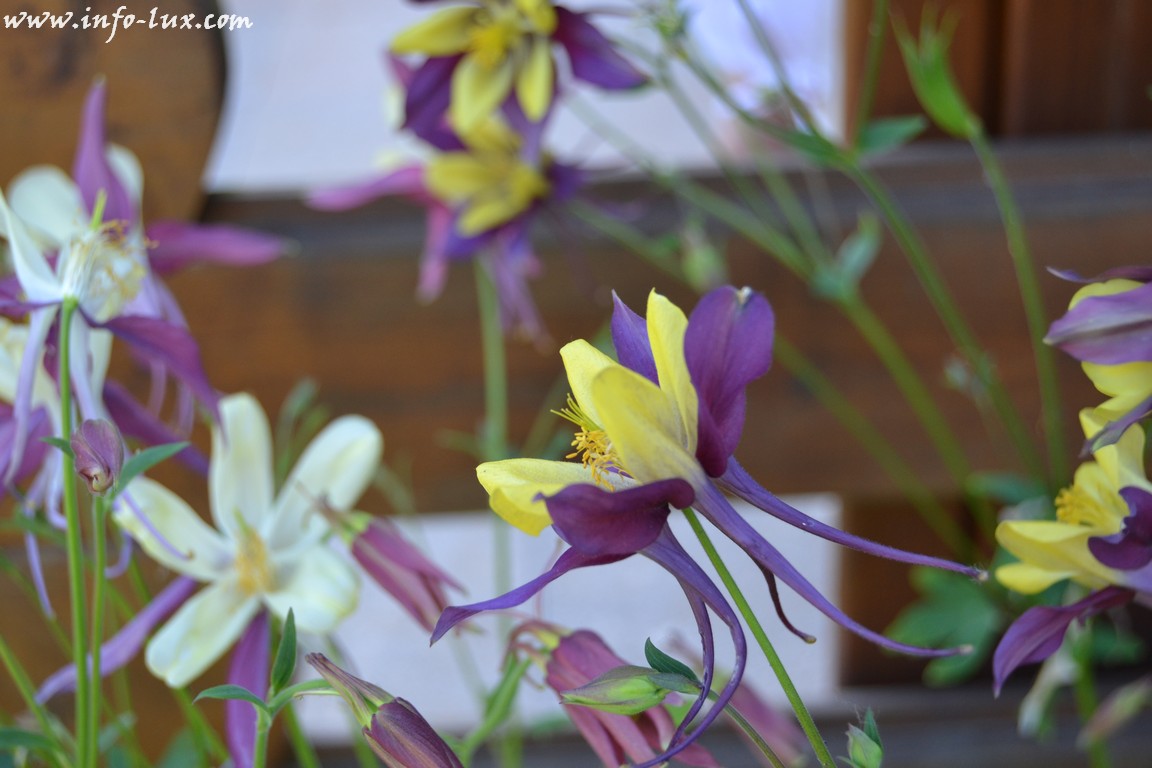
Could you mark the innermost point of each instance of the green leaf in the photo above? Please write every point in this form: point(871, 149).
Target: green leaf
point(17, 738)
point(183, 752)
point(931, 75)
point(662, 662)
point(1005, 487)
point(144, 460)
point(953, 611)
point(232, 692)
point(816, 148)
point(889, 133)
point(285, 664)
point(841, 278)
point(62, 443)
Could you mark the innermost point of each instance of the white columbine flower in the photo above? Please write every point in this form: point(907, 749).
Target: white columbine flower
point(267, 549)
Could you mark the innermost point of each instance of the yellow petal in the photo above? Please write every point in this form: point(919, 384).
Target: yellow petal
point(1028, 579)
point(583, 362)
point(442, 34)
point(534, 83)
point(539, 13)
point(477, 91)
point(1127, 383)
point(456, 176)
point(514, 484)
point(666, 327)
point(643, 424)
point(1056, 547)
point(1106, 288)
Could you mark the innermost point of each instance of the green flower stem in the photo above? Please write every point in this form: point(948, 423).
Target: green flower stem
point(25, 688)
point(1086, 698)
point(876, 28)
point(99, 587)
point(953, 319)
point(794, 102)
point(85, 745)
point(1029, 285)
point(306, 756)
point(752, 734)
point(260, 748)
point(802, 714)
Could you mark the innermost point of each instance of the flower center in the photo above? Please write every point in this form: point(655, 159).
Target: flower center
point(99, 270)
point(254, 571)
point(496, 33)
point(1076, 506)
point(592, 444)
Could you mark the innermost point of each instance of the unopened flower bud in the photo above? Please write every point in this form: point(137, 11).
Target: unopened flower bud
point(364, 697)
point(99, 454)
point(864, 747)
point(625, 690)
point(402, 738)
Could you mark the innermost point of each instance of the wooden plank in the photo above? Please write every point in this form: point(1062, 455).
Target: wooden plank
point(1075, 67)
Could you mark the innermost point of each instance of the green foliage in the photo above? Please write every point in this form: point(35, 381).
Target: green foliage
point(232, 692)
point(144, 460)
point(285, 664)
point(841, 278)
point(865, 749)
point(662, 662)
point(953, 611)
point(889, 133)
point(931, 74)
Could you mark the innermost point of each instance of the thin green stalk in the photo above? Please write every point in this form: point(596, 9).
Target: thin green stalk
point(260, 748)
point(306, 756)
point(883, 453)
point(25, 687)
point(85, 746)
point(1086, 698)
point(494, 445)
point(795, 102)
point(752, 734)
point(1029, 285)
point(802, 714)
point(99, 585)
point(945, 306)
point(202, 730)
point(876, 28)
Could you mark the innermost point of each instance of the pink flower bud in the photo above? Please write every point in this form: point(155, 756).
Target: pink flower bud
point(99, 454)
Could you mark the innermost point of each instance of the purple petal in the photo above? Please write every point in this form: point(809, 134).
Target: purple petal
point(179, 244)
point(600, 522)
point(122, 647)
point(593, 57)
point(564, 180)
point(438, 225)
point(727, 345)
point(39, 324)
point(91, 169)
point(702, 594)
point(739, 483)
point(569, 560)
point(1115, 428)
point(1132, 547)
point(630, 337)
point(249, 670)
point(1141, 274)
point(426, 103)
point(1108, 330)
point(713, 505)
point(136, 421)
point(1039, 631)
point(171, 345)
point(408, 181)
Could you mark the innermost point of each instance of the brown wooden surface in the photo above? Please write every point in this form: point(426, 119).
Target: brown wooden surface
point(164, 95)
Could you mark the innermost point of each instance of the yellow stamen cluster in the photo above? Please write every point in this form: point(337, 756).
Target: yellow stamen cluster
point(1076, 506)
point(101, 270)
point(497, 32)
point(592, 444)
point(254, 571)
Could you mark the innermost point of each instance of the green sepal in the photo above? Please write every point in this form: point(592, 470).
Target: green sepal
point(930, 72)
point(662, 662)
point(285, 663)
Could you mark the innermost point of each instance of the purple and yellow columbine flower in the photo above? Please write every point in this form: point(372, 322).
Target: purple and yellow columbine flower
point(482, 53)
point(1101, 540)
point(656, 430)
point(1108, 328)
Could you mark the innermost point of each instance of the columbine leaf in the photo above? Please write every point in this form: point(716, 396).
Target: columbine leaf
point(60, 443)
point(889, 133)
point(16, 738)
point(285, 664)
point(232, 692)
point(662, 662)
point(146, 459)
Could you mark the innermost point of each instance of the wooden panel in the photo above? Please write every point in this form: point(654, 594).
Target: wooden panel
point(1076, 67)
point(975, 55)
point(164, 95)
